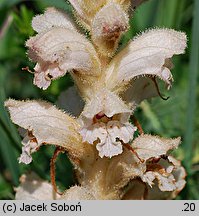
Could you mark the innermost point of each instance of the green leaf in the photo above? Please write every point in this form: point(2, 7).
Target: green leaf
point(22, 20)
point(62, 4)
point(6, 191)
point(193, 75)
point(9, 3)
point(8, 136)
point(9, 156)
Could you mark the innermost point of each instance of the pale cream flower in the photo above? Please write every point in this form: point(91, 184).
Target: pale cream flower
point(86, 10)
point(118, 178)
point(147, 54)
point(34, 188)
point(144, 56)
point(111, 87)
point(167, 179)
point(107, 28)
point(100, 178)
point(30, 145)
point(58, 47)
point(46, 125)
point(105, 122)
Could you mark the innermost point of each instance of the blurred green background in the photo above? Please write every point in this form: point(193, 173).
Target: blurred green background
point(177, 116)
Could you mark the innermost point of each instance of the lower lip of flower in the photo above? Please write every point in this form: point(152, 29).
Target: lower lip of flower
point(108, 133)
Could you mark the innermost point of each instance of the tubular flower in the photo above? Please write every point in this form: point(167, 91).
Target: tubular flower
point(111, 89)
point(42, 119)
point(122, 177)
point(106, 127)
point(58, 48)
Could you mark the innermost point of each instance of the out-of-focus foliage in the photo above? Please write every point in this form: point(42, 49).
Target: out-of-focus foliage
point(177, 116)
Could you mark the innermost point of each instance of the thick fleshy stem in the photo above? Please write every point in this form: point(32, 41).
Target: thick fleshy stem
point(137, 124)
point(58, 150)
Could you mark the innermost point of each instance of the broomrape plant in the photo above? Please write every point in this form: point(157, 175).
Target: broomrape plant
point(110, 163)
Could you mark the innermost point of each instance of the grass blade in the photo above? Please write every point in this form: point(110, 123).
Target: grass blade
point(193, 74)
